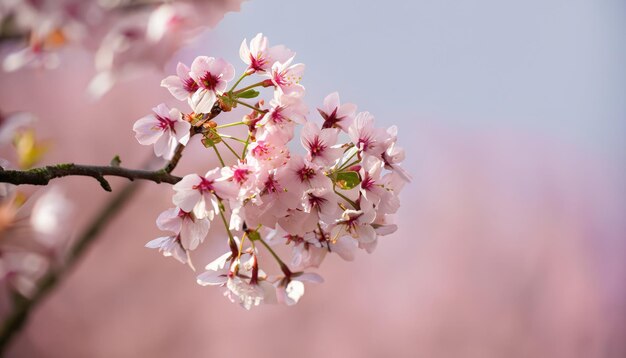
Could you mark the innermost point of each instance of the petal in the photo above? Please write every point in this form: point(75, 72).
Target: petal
point(147, 131)
point(186, 197)
point(331, 102)
point(202, 101)
point(310, 277)
point(158, 242)
point(169, 220)
point(221, 66)
point(219, 263)
point(193, 232)
point(258, 44)
point(162, 110)
point(366, 234)
point(181, 131)
point(294, 291)
point(200, 66)
point(278, 53)
point(309, 133)
point(182, 71)
point(345, 247)
point(176, 87)
point(212, 278)
point(244, 52)
point(165, 146)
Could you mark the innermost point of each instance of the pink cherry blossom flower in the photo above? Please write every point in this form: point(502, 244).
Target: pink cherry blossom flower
point(241, 175)
point(371, 188)
point(343, 246)
point(267, 153)
point(301, 175)
point(309, 250)
point(212, 76)
point(392, 183)
point(394, 155)
point(287, 77)
point(245, 283)
point(244, 292)
point(320, 144)
point(384, 225)
point(298, 222)
point(285, 111)
point(192, 230)
point(216, 273)
point(170, 246)
point(165, 129)
point(335, 114)
point(367, 138)
point(356, 223)
point(181, 85)
point(321, 203)
point(195, 193)
point(274, 199)
point(260, 57)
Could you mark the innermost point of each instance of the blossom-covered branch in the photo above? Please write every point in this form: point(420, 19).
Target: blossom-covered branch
point(43, 175)
point(337, 196)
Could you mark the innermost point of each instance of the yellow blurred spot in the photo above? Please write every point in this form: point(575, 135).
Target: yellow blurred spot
point(29, 150)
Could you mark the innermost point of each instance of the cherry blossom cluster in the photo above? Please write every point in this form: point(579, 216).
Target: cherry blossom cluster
point(127, 36)
point(337, 194)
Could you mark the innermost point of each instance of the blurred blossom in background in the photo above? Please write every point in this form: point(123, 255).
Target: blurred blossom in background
point(512, 236)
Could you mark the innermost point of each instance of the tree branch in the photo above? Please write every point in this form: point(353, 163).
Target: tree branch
point(43, 175)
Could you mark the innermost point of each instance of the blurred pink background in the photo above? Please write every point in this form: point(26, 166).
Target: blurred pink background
point(512, 236)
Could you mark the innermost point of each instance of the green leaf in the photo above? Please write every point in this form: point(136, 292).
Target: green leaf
point(348, 180)
point(251, 93)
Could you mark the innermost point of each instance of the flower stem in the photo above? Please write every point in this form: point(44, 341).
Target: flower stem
point(345, 198)
point(219, 156)
point(231, 137)
point(231, 148)
point(238, 81)
point(349, 165)
point(283, 267)
point(347, 160)
point(245, 147)
point(231, 238)
point(249, 87)
point(229, 125)
point(263, 111)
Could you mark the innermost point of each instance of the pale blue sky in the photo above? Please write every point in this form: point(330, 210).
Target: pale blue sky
point(553, 67)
